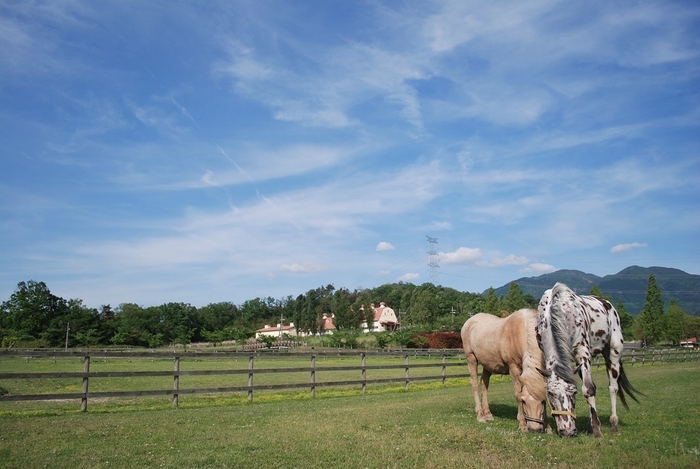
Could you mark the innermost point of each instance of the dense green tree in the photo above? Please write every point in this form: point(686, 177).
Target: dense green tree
point(256, 310)
point(514, 299)
point(217, 316)
point(651, 319)
point(674, 321)
point(135, 326)
point(177, 323)
point(491, 303)
point(86, 327)
point(108, 324)
point(30, 310)
point(345, 318)
point(692, 326)
point(626, 321)
point(311, 312)
point(596, 291)
point(423, 312)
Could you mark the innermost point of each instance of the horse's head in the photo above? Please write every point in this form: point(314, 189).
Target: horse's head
point(534, 411)
point(562, 397)
point(532, 400)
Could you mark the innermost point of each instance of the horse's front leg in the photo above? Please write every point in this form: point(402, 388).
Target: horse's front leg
point(486, 412)
point(588, 388)
point(518, 388)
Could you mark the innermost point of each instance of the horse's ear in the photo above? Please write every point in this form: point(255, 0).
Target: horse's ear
point(545, 373)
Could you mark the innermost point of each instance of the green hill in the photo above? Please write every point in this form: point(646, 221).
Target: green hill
point(628, 285)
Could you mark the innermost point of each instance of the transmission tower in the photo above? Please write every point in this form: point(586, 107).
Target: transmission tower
point(433, 259)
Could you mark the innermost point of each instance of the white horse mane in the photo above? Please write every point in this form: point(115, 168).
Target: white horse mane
point(561, 330)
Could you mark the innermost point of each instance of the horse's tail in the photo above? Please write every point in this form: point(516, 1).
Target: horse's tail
point(626, 387)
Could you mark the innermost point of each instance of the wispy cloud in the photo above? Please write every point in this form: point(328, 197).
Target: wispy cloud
point(303, 268)
point(255, 144)
point(626, 247)
point(539, 269)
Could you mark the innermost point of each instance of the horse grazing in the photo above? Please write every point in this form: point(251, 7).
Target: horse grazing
point(503, 346)
point(575, 328)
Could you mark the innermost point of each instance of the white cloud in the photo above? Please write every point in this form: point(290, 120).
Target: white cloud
point(440, 226)
point(410, 277)
point(384, 246)
point(304, 267)
point(627, 247)
point(461, 256)
point(510, 259)
point(540, 268)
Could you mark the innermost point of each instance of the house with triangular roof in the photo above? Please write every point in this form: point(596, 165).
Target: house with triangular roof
point(277, 331)
point(383, 319)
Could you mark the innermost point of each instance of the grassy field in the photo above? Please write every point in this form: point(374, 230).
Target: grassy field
point(429, 426)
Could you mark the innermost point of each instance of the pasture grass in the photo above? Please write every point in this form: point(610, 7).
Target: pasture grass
point(431, 426)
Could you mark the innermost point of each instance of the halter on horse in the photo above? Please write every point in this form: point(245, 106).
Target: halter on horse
point(573, 328)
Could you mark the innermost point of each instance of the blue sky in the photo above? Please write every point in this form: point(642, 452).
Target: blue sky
point(220, 151)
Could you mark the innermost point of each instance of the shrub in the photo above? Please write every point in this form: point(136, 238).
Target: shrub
point(445, 340)
point(418, 341)
point(435, 340)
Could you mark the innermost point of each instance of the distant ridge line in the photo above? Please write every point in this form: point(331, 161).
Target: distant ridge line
point(629, 286)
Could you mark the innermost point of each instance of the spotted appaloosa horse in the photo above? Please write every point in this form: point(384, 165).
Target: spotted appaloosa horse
point(576, 328)
point(507, 345)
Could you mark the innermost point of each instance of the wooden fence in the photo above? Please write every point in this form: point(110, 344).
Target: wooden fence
point(631, 358)
point(361, 368)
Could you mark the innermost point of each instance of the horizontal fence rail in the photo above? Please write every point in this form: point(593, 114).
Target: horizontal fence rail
point(251, 371)
point(634, 357)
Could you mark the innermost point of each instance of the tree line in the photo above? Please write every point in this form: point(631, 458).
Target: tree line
point(35, 317)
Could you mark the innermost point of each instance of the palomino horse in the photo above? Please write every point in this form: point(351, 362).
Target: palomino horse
point(574, 328)
point(503, 346)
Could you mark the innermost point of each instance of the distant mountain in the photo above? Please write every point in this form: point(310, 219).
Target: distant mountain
point(628, 285)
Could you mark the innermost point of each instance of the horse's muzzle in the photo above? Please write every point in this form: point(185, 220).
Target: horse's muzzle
point(568, 433)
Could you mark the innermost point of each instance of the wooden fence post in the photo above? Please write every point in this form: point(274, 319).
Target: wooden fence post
point(313, 375)
point(250, 378)
point(633, 359)
point(364, 373)
point(444, 370)
point(86, 369)
point(176, 381)
point(408, 381)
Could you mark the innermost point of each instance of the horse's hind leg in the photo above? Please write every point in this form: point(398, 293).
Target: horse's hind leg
point(613, 374)
point(475, 382)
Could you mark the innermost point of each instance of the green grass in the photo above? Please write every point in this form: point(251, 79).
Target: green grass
point(429, 426)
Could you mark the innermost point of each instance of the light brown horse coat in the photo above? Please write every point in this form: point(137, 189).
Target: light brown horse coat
point(507, 346)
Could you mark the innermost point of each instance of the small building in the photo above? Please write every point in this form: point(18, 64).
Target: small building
point(277, 331)
point(383, 319)
point(690, 343)
point(327, 325)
